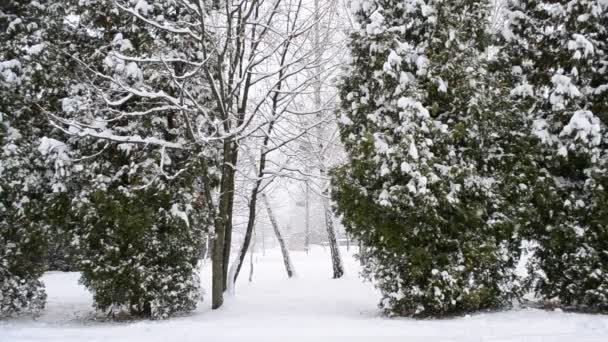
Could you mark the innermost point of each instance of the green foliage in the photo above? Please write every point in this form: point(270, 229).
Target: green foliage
point(138, 254)
point(22, 235)
point(140, 219)
point(424, 128)
point(24, 184)
point(555, 55)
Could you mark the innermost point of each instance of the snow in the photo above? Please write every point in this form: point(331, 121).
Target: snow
point(376, 26)
point(48, 145)
point(541, 131)
point(422, 63)
point(393, 61)
point(121, 43)
point(133, 72)
point(7, 71)
point(143, 7)
point(586, 127)
point(384, 198)
point(310, 307)
point(12, 26)
point(523, 90)
point(178, 213)
point(34, 49)
point(413, 151)
point(578, 43)
point(564, 88)
point(407, 103)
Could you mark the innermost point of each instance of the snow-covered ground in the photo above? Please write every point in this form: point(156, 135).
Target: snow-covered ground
point(311, 307)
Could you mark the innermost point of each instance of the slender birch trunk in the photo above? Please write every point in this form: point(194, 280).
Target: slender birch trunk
point(336, 259)
point(277, 232)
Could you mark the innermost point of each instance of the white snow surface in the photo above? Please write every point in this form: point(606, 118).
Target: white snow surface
point(312, 307)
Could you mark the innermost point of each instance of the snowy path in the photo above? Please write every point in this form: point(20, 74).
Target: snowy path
point(311, 307)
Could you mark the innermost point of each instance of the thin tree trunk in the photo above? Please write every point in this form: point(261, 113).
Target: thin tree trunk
point(336, 258)
point(347, 242)
point(235, 269)
point(229, 197)
point(307, 218)
point(263, 242)
point(361, 253)
point(277, 231)
point(251, 256)
point(230, 288)
point(252, 209)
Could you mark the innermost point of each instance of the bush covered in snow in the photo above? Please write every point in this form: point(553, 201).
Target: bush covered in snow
point(137, 190)
point(22, 236)
point(24, 83)
point(423, 188)
point(558, 52)
point(138, 252)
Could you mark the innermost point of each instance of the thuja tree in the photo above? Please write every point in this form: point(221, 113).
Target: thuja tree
point(421, 123)
point(556, 58)
point(140, 204)
point(22, 235)
point(139, 250)
point(29, 79)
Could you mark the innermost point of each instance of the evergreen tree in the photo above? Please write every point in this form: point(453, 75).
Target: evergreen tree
point(28, 79)
point(22, 237)
point(557, 58)
point(142, 218)
point(138, 251)
point(421, 121)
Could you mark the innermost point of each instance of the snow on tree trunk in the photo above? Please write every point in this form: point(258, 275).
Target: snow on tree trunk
point(336, 258)
point(277, 232)
point(307, 218)
point(251, 257)
point(232, 272)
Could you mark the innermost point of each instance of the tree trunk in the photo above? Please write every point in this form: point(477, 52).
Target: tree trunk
point(336, 259)
point(253, 201)
point(277, 231)
point(223, 227)
point(347, 242)
point(235, 269)
point(263, 242)
point(307, 218)
point(217, 268)
point(251, 257)
point(228, 193)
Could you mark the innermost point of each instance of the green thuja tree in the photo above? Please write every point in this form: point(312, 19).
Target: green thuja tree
point(139, 252)
point(140, 211)
point(22, 233)
point(555, 60)
point(29, 79)
point(421, 122)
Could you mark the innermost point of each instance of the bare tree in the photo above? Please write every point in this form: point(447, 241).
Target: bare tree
point(221, 75)
point(291, 88)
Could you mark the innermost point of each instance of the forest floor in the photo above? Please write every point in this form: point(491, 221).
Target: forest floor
point(310, 307)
